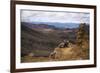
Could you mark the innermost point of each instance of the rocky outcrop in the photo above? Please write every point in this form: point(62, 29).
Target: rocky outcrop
point(72, 52)
point(63, 51)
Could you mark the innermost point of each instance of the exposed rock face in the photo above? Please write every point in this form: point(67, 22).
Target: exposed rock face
point(62, 53)
point(69, 53)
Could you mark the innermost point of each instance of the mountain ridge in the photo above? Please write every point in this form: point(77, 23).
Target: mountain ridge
point(55, 24)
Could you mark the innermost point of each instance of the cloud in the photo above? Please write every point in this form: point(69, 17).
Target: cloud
point(51, 16)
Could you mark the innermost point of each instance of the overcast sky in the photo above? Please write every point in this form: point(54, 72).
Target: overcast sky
point(51, 16)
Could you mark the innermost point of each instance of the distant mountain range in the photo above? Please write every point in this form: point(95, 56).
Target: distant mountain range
point(52, 25)
point(38, 26)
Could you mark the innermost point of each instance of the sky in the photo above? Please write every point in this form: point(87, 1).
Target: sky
point(54, 16)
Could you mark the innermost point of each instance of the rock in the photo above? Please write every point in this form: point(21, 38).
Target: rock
point(61, 53)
